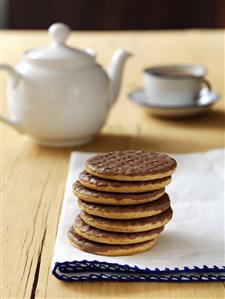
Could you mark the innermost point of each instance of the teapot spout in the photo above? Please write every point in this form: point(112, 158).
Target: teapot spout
point(115, 72)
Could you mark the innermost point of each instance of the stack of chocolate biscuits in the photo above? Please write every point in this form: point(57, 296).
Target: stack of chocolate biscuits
point(123, 203)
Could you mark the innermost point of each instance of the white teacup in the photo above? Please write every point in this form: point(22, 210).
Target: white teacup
point(174, 85)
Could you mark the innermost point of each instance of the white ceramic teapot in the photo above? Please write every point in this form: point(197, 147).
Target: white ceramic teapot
point(59, 95)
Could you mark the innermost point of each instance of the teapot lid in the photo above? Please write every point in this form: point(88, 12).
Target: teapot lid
point(58, 54)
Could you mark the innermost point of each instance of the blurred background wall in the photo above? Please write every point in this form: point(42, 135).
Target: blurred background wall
point(113, 14)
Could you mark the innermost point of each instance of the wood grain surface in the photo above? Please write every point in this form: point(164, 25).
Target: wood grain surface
point(33, 178)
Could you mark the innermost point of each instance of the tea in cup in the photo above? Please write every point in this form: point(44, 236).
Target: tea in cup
point(174, 85)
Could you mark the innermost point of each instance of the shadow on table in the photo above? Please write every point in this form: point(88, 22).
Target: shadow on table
point(214, 119)
point(110, 142)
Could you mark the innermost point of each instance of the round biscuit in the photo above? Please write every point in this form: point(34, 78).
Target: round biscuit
point(131, 165)
point(112, 198)
point(97, 235)
point(128, 226)
point(105, 185)
point(126, 212)
point(106, 249)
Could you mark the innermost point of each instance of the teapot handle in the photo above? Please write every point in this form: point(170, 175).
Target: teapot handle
point(16, 76)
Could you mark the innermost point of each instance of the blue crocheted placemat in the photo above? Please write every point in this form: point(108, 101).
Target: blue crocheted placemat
point(94, 271)
point(190, 240)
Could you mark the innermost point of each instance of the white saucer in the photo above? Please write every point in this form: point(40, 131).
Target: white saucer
point(204, 103)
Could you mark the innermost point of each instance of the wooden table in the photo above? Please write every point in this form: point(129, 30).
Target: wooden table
point(33, 178)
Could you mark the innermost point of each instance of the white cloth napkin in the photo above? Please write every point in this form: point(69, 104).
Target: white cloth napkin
point(190, 248)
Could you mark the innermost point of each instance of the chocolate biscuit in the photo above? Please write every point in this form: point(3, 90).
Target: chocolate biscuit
point(108, 250)
point(112, 198)
point(131, 165)
point(106, 185)
point(126, 212)
point(97, 235)
point(128, 226)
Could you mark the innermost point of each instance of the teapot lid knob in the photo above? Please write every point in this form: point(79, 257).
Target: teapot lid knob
point(58, 54)
point(59, 32)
